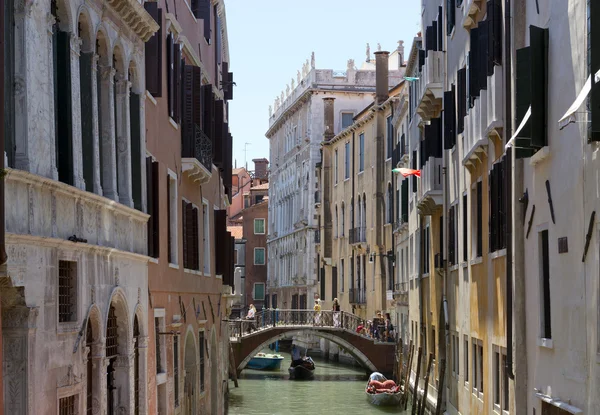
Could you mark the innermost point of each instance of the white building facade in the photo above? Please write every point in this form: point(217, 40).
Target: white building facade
point(75, 318)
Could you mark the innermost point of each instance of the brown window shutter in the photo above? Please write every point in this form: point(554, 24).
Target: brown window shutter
point(208, 103)
point(184, 228)
point(155, 209)
point(217, 140)
point(153, 52)
point(197, 95)
point(168, 219)
point(204, 12)
point(150, 208)
point(170, 81)
point(220, 229)
point(177, 83)
point(195, 238)
point(187, 123)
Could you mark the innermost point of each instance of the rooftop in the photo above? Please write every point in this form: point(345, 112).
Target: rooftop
point(236, 231)
point(264, 186)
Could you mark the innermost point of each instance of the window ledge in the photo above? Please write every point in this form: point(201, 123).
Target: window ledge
point(173, 123)
point(153, 260)
point(346, 179)
point(546, 343)
point(541, 155)
point(174, 266)
point(454, 267)
point(207, 274)
point(464, 264)
point(387, 225)
point(219, 276)
point(161, 378)
point(498, 254)
point(150, 97)
point(425, 276)
point(68, 327)
point(192, 271)
point(360, 173)
point(477, 260)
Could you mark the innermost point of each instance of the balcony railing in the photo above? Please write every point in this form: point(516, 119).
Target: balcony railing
point(196, 145)
point(357, 296)
point(318, 236)
point(400, 225)
point(401, 288)
point(430, 189)
point(358, 235)
point(430, 86)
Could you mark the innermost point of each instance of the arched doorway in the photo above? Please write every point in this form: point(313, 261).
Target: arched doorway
point(89, 342)
point(111, 355)
point(214, 370)
point(190, 374)
point(119, 387)
point(136, 367)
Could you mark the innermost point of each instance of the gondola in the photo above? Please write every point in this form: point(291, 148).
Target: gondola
point(382, 397)
point(304, 370)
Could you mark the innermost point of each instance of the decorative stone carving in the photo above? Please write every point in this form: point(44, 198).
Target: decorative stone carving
point(287, 91)
point(70, 379)
point(282, 97)
point(350, 65)
point(270, 111)
point(50, 22)
point(107, 73)
point(76, 43)
point(95, 406)
point(93, 295)
point(19, 317)
point(378, 47)
point(19, 85)
point(117, 278)
point(298, 77)
point(368, 53)
point(139, 296)
point(293, 84)
point(15, 362)
point(312, 60)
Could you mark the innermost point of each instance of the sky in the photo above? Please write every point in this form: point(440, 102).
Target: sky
point(269, 40)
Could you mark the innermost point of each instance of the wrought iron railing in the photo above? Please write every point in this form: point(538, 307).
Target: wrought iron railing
point(357, 296)
point(195, 144)
point(294, 318)
point(358, 235)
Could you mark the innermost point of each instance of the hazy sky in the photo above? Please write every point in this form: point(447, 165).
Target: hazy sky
point(269, 40)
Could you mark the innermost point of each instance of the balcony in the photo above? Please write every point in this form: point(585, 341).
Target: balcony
point(431, 86)
point(357, 296)
point(400, 225)
point(430, 190)
point(196, 155)
point(317, 197)
point(484, 120)
point(401, 293)
point(358, 235)
point(317, 236)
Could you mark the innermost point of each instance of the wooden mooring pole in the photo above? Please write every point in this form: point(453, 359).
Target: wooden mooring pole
point(438, 406)
point(411, 352)
point(232, 367)
point(400, 363)
point(426, 386)
point(416, 388)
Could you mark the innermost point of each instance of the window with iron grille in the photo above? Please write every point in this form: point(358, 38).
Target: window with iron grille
point(111, 333)
point(66, 406)
point(67, 291)
point(136, 368)
point(176, 368)
point(201, 356)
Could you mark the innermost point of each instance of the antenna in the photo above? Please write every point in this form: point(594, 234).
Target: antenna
point(245, 155)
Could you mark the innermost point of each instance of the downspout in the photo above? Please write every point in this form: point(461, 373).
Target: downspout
point(3, 257)
point(393, 213)
point(444, 313)
point(351, 266)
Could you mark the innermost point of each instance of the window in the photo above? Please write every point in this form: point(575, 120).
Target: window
point(450, 15)
point(67, 291)
point(191, 245)
point(545, 286)
point(336, 224)
point(153, 204)
point(454, 354)
point(201, 344)
point(343, 220)
point(426, 250)
point(259, 226)
point(347, 161)
point(477, 368)
point(497, 220)
point(176, 369)
point(206, 238)
point(466, 359)
point(342, 275)
point(173, 77)
point(159, 327)
point(361, 152)
point(259, 291)
point(389, 137)
point(451, 236)
point(390, 204)
point(259, 256)
point(347, 119)
point(593, 38)
point(172, 217)
point(501, 392)
point(464, 228)
point(67, 406)
point(477, 225)
point(258, 198)
point(335, 167)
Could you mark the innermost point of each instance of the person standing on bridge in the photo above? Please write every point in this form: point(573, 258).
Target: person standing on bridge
point(336, 312)
point(317, 310)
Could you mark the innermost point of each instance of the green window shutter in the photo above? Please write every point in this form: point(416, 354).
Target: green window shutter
point(539, 86)
point(87, 120)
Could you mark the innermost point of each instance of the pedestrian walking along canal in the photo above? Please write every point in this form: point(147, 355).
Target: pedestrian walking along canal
point(337, 388)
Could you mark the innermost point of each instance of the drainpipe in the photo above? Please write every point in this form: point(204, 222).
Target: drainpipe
point(3, 257)
point(443, 318)
point(351, 266)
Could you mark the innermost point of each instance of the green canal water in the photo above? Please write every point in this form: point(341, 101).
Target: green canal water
point(336, 389)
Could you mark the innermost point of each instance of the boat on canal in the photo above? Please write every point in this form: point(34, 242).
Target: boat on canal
point(304, 370)
point(262, 361)
point(382, 392)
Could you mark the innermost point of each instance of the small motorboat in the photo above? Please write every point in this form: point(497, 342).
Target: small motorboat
point(262, 361)
point(304, 370)
point(381, 391)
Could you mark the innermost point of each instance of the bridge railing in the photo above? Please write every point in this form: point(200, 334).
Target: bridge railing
point(281, 318)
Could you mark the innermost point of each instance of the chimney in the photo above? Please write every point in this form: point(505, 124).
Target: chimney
point(400, 50)
point(328, 118)
point(381, 76)
point(260, 168)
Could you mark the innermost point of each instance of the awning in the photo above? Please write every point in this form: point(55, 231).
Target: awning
point(511, 142)
point(587, 87)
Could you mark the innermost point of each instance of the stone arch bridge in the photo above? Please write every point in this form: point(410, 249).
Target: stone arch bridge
point(249, 337)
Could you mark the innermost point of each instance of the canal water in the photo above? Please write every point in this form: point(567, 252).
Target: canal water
point(336, 389)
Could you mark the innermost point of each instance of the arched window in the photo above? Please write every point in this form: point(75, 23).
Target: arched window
point(112, 337)
point(343, 220)
point(390, 204)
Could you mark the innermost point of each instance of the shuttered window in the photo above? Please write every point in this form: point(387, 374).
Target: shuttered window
point(479, 218)
point(220, 242)
point(464, 228)
point(153, 52)
point(414, 167)
point(201, 344)
point(404, 188)
point(461, 81)
point(202, 10)
point(63, 121)
point(594, 65)
point(153, 204)
point(450, 15)
point(219, 132)
point(546, 314)
point(208, 109)
point(497, 204)
point(440, 29)
point(174, 81)
point(361, 152)
point(494, 17)
point(449, 119)
point(451, 236)
point(334, 281)
point(191, 248)
point(176, 370)
point(390, 137)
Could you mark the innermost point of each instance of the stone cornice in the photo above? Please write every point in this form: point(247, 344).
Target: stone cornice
point(290, 110)
point(59, 187)
point(32, 240)
point(136, 17)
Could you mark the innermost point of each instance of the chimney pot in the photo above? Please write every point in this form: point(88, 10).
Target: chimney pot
point(381, 76)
